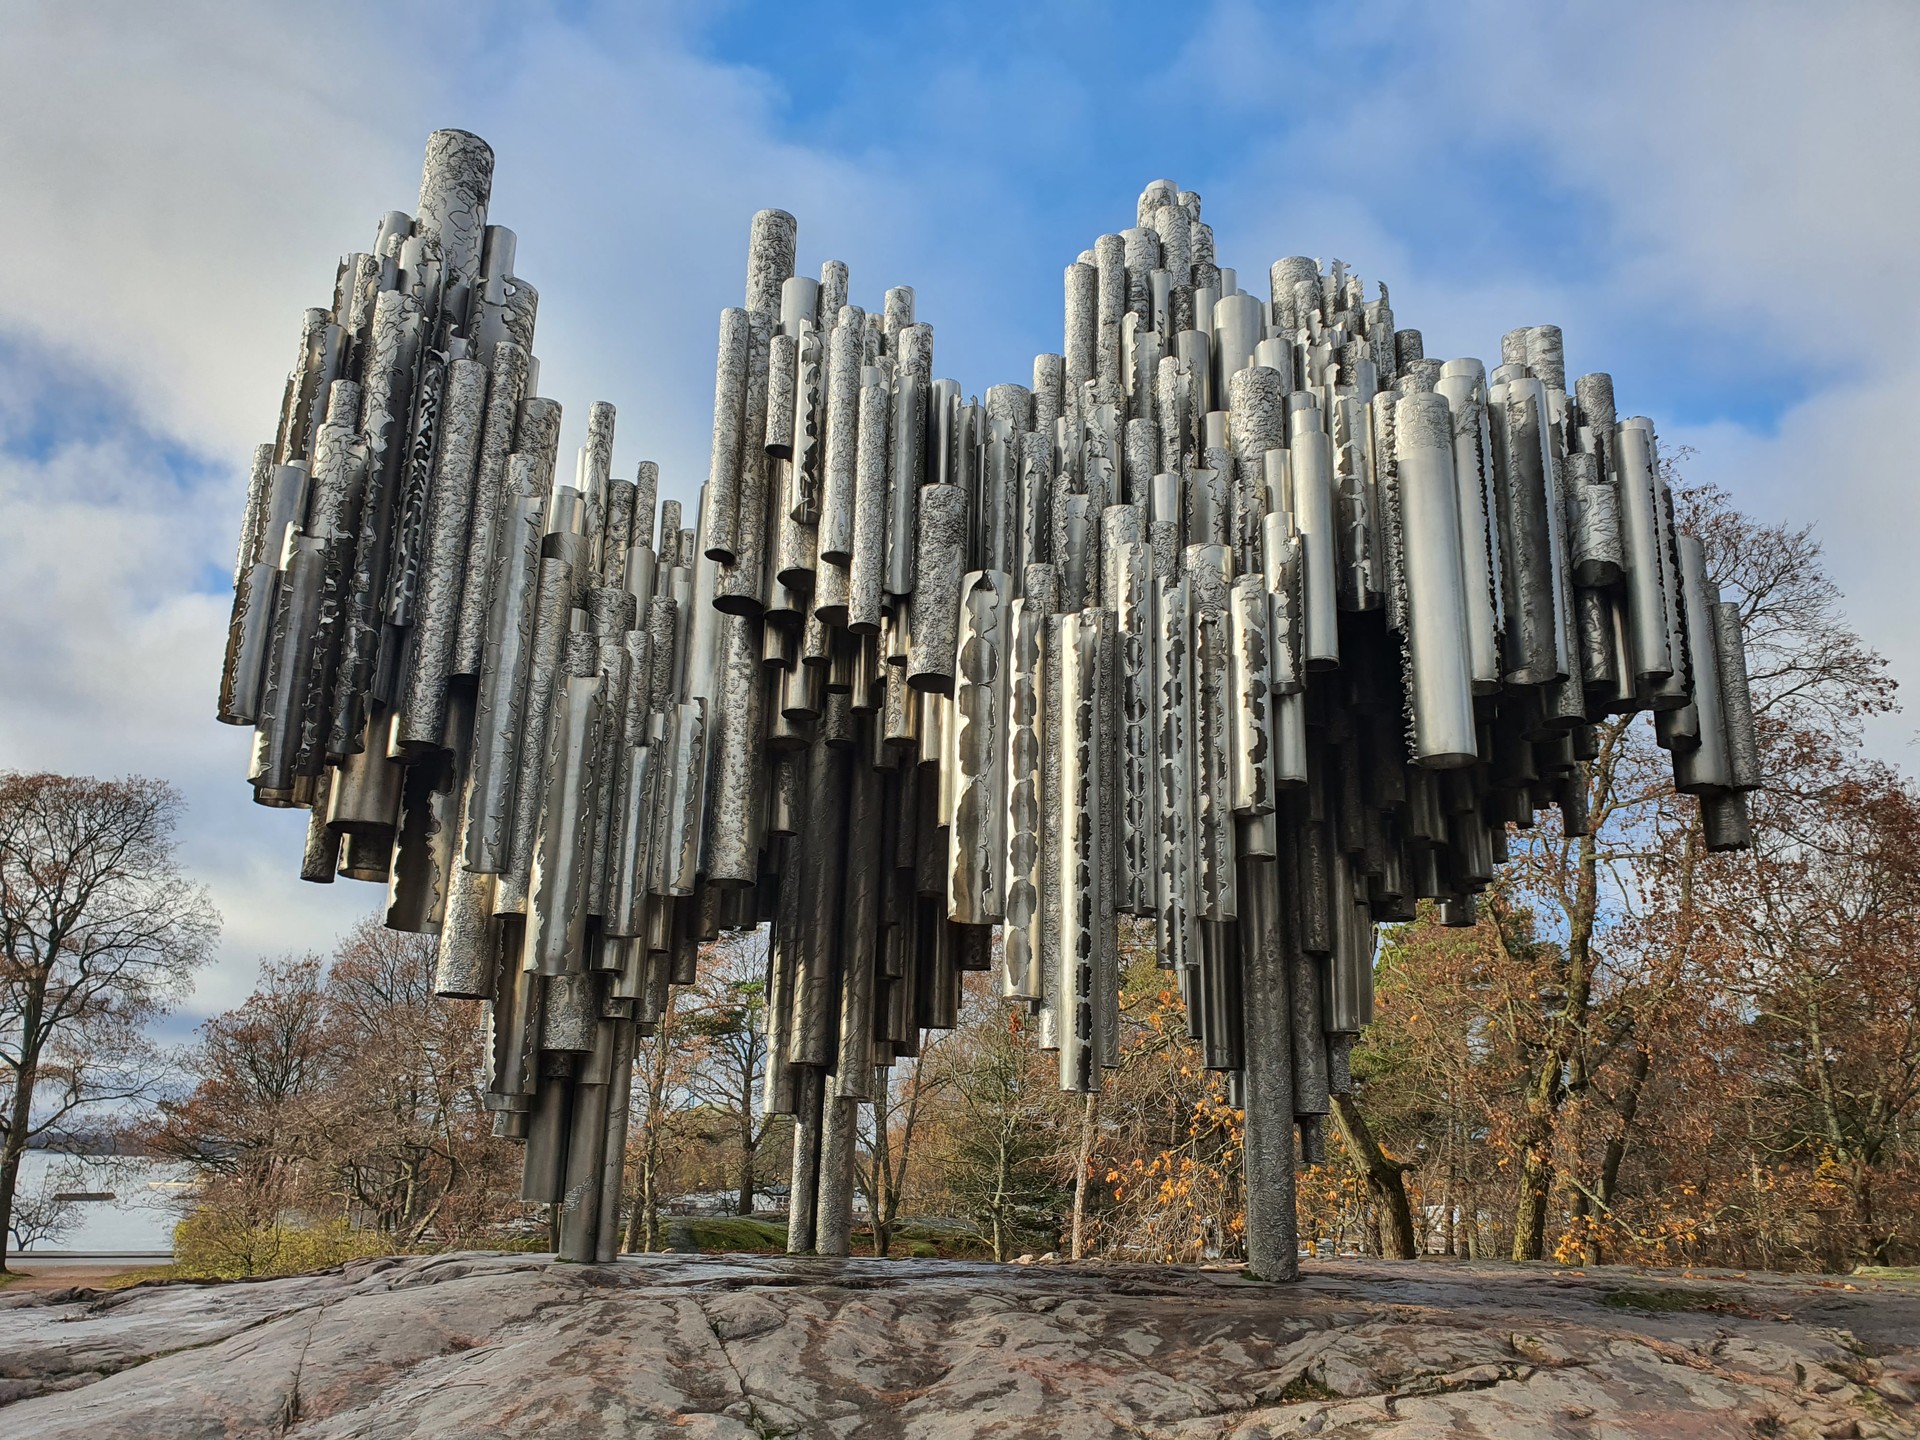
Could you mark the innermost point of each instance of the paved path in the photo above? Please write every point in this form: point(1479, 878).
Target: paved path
point(40, 1272)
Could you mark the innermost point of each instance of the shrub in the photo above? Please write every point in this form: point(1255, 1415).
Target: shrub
point(211, 1245)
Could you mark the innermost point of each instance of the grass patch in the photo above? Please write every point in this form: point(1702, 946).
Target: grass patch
point(1887, 1272)
point(1303, 1388)
point(1667, 1302)
point(141, 1276)
point(736, 1233)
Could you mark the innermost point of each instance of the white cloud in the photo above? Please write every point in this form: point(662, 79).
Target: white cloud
point(1740, 180)
point(179, 181)
point(1754, 164)
point(180, 178)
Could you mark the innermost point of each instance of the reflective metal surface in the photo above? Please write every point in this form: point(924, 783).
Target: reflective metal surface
point(1246, 619)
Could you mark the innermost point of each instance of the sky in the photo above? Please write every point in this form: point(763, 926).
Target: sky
point(1716, 202)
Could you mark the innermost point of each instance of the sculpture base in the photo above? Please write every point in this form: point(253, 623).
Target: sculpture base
point(515, 1345)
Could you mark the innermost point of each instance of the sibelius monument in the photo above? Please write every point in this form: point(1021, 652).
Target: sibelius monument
point(1245, 618)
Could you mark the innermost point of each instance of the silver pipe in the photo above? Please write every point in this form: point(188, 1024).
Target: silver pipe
point(1083, 326)
point(1736, 701)
point(1708, 766)
point(1023, 911)
point(739, 766)
point(729, 423)
point(238, 694)
point(739, 584)
point(1237, 330)
point(552, 603)
point(1132, 589)
point(493, 499)
point(867, 574)
point(860, 925)
point(906, 463)
point(977, 837)
point(833, 1225)
point(607, 1236)
point(940, 570)
point(418, 720)
point(1438, 653)
point(557, 919)
point(1212, 738)
point(1268, 1100)
point(1082, 907)
point(1653, 661)
point(1311, 470)
point(816, 1006)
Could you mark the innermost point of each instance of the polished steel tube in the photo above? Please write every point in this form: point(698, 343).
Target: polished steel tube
point(1130, 563)
point(1173, 773)
point(1743, 745)
point(1083, 326)
point(729, 424)
point(1026, 672)
point(419, 717)
point(906, 460)
point(940, 570)
point(1438, 648)
point(1251, 687)
point(860, 931)
point(977, 837)
point(739, 767)
point(739, 583)
point(557, 919)
point(1707, 767)
point(1653, 661)
point(552, 605)
point(868, 571)
point(836, 526)
point(1082, 898)
point(1311, 469)
point(1208, 567)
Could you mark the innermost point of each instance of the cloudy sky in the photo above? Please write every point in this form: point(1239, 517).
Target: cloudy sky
point(1717, 202)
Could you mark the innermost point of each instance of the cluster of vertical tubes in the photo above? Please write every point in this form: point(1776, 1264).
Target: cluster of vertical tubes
point(1244, 619)
point(471, 673)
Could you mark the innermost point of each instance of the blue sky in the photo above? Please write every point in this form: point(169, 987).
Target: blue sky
point(1716, 202)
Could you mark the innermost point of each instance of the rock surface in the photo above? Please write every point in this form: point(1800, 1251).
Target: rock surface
point(707, 1346)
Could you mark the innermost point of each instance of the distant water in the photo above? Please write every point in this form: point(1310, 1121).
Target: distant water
point(147, 1201)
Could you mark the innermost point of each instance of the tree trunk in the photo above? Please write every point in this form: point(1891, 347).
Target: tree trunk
point(1616, 1152)
point(1536, 1165)
point(20, 1108)
point(1002, 1175)
point(1386, 1180)
point(882, 1197)
point(9, 1183)
point(643, 1227)
point(1089, 1129)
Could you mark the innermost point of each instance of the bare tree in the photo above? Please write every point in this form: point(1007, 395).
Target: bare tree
point(249, 1125)
point(1000, 1141)
point(404, 1112)
point(726, 1023)
point(46, 1212)
point(99, 934)
point(900, 1091)
point(663, 1060)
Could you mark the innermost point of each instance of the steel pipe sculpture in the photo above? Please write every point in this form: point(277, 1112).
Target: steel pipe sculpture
point(1246, 619)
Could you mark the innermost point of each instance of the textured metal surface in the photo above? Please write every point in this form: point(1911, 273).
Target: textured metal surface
point(1246, 618)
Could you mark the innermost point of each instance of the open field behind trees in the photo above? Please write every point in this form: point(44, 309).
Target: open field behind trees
point(1640, 1054)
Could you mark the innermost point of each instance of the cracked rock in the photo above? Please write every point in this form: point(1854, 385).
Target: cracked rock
point(752, 1346)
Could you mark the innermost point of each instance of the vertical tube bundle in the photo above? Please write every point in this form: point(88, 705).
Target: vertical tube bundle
point(1246, 617)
